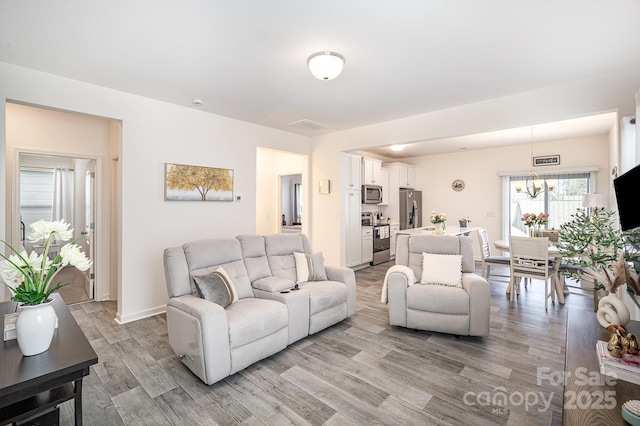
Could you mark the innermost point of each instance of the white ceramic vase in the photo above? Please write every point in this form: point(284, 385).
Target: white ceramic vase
point(439, 228)
point(35, 327)
point(612, 310)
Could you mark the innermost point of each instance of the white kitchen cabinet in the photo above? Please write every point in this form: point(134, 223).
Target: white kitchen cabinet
point(367, 244)
point(352, 228)
point(407, 176)
point(351, 171)
point(384, 181)
point(371, 171)
point(403, 174)
point(393, 230)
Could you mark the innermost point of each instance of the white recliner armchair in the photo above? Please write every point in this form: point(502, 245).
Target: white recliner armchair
point(461, 308)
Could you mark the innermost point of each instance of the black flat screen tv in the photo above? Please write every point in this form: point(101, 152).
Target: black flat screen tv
point(627, 187)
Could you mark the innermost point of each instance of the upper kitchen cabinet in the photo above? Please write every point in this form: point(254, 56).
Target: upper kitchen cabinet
point(371, 171)
point(403, 174)
point(384, 178)
point(351, 170)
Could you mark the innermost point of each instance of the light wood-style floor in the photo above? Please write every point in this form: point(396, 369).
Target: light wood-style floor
point(359, 372)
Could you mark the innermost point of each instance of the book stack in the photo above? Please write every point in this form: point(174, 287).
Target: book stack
point(626, 368)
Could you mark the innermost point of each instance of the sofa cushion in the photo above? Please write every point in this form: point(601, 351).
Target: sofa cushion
point(438, 299)
point(324, 295)
point(273, 284)
point(254, 318)
point(280, 249)
point(216, 287)
point(309, 267)
point(441, 269)
point(255, 256)
point(205, 256)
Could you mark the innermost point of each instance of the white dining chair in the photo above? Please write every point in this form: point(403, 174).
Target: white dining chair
point(530, 259)
point(489, 259)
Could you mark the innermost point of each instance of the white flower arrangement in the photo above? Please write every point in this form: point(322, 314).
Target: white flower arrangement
point(438, 218)
point(29, 276)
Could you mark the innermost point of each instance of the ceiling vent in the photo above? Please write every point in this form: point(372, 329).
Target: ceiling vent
point(309, 124)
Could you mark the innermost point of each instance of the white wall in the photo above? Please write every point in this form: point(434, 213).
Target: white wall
point(154, 133)
point(609, 92)
point(481, 199)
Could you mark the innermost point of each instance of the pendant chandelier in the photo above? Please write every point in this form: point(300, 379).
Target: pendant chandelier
point(534, 184)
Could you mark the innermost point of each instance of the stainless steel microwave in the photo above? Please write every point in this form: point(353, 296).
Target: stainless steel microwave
point(371, 194)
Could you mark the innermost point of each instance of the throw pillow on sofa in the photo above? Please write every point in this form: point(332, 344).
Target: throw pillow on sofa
point(216, 287)
point(309, 267)
point(442, 269)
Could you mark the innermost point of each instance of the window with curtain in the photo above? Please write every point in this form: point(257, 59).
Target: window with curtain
point(559, 203)
point(36, 195)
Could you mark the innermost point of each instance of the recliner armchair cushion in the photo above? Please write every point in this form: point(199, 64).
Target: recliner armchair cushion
point(438, 299)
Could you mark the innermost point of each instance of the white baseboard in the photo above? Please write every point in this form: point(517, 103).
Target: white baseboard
point(140, 315)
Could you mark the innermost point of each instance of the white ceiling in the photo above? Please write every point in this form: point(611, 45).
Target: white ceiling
point(246, 59)
point(597, 124)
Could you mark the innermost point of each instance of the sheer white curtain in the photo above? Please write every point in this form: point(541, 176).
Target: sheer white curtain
point(63, 195)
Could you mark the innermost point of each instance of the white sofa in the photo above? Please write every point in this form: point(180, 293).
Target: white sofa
point(215, 342)
point(461, 310)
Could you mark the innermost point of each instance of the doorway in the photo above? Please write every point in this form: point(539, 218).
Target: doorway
point(291, 203)
point(56, 187)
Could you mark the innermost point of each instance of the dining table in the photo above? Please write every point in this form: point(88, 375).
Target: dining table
point(448, 230)
point(557, 285)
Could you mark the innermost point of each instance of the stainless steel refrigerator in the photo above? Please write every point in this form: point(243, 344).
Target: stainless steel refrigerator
point(410, 209)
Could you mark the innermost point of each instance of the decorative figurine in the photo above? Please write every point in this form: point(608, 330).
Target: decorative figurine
point(621, 342)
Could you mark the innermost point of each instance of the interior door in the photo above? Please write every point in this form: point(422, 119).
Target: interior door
point(89, 221)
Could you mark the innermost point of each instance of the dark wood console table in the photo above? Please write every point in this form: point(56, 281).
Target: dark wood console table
point(586, 402)
point(34, 384)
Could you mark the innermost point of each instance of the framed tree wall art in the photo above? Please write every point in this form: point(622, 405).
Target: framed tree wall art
point(197, 183)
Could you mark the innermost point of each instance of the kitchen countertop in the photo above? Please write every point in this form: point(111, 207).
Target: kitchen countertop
point(450, 230)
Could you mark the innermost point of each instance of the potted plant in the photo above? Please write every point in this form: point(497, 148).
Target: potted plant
point(440, 221)
point(464, 222)
point(534, 222)
point(31, 279)
point(593, 242)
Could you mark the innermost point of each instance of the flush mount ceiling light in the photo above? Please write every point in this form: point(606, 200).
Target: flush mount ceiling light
point(325, 65)
point(396, 148)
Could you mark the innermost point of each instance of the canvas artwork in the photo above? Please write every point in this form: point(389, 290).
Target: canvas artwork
point(196, 183)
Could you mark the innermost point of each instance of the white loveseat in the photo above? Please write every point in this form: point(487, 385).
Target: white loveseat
point(215, 341)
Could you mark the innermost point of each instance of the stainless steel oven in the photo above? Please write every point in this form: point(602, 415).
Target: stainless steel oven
point(381, 244)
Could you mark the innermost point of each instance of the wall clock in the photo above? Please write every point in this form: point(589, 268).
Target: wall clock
point(457, 185)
